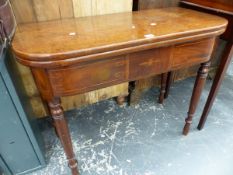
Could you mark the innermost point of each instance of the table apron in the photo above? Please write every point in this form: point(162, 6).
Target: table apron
point(83, 78)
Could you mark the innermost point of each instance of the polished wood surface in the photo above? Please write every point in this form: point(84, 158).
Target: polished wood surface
point(223, 8)
point(41, 42)
point(69, 57)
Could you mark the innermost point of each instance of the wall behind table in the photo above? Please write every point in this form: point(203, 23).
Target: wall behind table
point(27, 11)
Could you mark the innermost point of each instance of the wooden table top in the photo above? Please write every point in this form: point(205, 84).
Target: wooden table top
point(224, 6)
point(70, 38)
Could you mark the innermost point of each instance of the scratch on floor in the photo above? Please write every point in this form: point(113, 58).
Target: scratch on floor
point(155, 127)
point(109, 167)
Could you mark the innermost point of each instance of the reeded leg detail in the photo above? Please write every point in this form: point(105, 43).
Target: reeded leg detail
point(198, 87)
point(168, 83)
point(63, 133)
point(163, 87)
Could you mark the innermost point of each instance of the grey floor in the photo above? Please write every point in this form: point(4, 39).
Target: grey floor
point(146, 139)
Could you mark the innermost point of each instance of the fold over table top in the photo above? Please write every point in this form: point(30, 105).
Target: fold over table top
point(81, 37)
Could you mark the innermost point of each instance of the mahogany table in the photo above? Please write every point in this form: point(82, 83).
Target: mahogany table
point(223, 8)
point(74, 56)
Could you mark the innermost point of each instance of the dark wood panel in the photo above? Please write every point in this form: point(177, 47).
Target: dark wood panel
point(192, 53)
point(147, 63)
point(81, 79)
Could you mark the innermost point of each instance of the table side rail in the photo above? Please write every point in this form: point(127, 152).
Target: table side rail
point(111, 71)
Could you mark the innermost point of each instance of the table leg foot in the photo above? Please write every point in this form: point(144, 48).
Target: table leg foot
point(201, 125)
point(163, 87)
point(186, 128)
point(121, 99)
point(198, 87)
point(63, 133)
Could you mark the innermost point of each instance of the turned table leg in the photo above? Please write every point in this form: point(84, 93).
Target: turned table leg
point(168, 83)
point(63, 133)
point(163, 87)
point(198, 87)
point(228, 53)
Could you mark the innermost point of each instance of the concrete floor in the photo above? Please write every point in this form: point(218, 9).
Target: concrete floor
point(146, 139)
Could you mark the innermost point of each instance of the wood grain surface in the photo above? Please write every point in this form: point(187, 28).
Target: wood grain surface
point(44, 42)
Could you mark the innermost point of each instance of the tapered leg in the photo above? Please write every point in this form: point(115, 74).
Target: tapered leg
point(168, 83)
point(163, 87)
point(227, 56)
point(63, 133)
point(198, 87)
